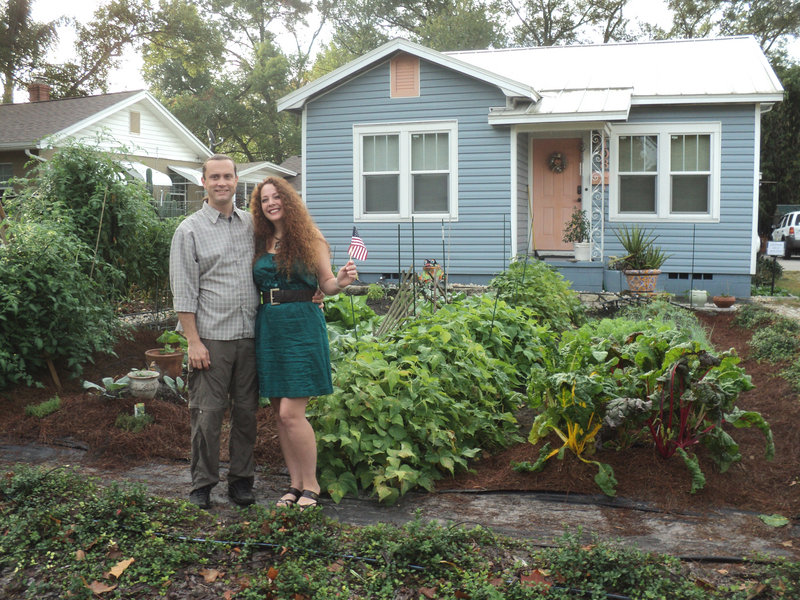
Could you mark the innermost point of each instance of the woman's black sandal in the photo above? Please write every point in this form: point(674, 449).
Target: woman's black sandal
point(313, 496)
point(289, 501)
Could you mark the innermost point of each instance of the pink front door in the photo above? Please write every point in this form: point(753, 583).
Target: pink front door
point(556, 190)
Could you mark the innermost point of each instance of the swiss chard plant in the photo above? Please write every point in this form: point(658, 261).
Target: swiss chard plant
point(694, 396)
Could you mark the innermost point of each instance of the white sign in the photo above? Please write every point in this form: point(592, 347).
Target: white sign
point(775, 248)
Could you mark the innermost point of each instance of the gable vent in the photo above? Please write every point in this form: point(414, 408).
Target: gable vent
point(405, 76)
point(135, 122)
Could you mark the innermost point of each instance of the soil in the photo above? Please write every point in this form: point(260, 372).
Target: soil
point(86, 422)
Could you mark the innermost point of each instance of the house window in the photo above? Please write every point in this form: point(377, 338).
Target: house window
point(406, 169)
point(243, 193)
point(665, 171)
point(6, 173)
point(135, 121)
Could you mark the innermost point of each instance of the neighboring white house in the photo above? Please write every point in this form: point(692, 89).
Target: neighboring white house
point(159, 149)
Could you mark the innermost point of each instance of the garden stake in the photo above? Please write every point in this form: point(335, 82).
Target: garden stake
point(355, 325)
point(99, 230)
point(3, 226)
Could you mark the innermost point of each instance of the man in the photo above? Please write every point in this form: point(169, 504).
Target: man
point(215, 298)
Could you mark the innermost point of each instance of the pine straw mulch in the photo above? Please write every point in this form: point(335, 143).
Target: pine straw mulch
point(86, 421)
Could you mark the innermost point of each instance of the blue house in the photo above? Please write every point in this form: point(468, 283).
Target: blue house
point(472, 158)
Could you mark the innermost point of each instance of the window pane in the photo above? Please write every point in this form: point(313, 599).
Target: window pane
point(690, 193)
point(6, 172)
point(381, 193)
point(430, 193)
point(430, 152)
point(637, 193)
point(690, 153)
point(381, 153)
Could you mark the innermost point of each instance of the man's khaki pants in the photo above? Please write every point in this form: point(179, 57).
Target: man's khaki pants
point(230, 383)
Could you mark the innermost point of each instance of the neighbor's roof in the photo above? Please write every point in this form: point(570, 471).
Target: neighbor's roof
point(588, 81)
point(39, 124)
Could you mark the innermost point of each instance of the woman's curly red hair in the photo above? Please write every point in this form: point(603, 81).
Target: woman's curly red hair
point(301, 236)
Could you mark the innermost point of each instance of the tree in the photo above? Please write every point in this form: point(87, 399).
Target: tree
point(23, 43)
point(551, 22)
point(780, 137)
point(772, 22)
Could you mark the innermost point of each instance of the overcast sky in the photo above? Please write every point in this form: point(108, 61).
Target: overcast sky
point(127, 77)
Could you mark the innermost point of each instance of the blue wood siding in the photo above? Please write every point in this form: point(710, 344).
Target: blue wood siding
point(722, 248)
point(523, 208)
point(478, 244)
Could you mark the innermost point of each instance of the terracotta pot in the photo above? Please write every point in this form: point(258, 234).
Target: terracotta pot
point(642, 281)
point(170, 363)
point(723, 301)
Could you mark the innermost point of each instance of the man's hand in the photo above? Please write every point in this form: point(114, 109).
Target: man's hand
point(199, 357)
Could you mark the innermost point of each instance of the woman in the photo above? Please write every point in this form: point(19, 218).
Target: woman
point(292, 260)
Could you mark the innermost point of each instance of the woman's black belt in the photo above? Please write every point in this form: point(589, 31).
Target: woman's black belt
point(278, 296)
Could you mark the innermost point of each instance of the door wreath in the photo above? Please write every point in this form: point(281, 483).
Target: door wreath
point(556, 162)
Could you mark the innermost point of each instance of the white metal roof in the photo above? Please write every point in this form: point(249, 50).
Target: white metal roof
point(673, 71)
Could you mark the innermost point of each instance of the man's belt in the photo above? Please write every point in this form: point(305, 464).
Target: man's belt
point(278, 296)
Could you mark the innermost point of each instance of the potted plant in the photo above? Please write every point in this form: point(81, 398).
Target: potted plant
point(576, 232)
point(168, 358)
point(642, 261)
point(143, 383)
point(724, 300)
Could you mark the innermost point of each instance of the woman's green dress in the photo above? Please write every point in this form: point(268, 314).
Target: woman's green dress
point(292, 353)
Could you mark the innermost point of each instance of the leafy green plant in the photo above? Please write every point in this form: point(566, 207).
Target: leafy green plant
point(641, 250)
point(768, 271)
point(417, 404)
point(577, 228)
point(110, 387)
point(750, 316)
point(49, 306)
point(539, 287)
point(41, 410)
point(375, 292)
point(779, 341)
point(694, 395)
point(173, 341)
point(89, 193)
point(133, 423)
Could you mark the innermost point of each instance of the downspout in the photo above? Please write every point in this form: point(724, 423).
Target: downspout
point(36, 156)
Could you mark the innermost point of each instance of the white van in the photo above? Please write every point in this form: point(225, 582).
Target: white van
point(788, 232)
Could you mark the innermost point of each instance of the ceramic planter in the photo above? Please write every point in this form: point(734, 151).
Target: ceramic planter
point(642, 281)
point(143, 384)
point(723, 301)
point(583, 251)
point(170, 363)
point(698, 297)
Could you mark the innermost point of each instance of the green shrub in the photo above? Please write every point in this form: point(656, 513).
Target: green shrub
point(94, 198)
point(375, 292)
point(777, 342)
point(539, 287)
point(750, 316)
point(41, 410)
point(132, 423)
point(768, 271)
point(49, 307)
point(416, 405)
point(792, 375)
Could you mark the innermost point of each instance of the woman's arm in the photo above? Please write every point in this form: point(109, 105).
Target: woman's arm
point(329, 284)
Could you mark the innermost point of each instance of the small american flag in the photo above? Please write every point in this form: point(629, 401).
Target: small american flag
point(357, 248)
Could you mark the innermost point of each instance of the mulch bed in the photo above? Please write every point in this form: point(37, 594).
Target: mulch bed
point(87, 421)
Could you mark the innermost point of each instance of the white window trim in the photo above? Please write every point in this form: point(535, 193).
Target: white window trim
point(664, 131)
point(404, 131)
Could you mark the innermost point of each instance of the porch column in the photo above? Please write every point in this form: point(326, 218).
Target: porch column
point(598, 195)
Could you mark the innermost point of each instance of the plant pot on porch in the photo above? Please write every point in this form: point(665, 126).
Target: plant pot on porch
point(723, 301)
point(169, 363)
point(583, 251)
point(642, 281)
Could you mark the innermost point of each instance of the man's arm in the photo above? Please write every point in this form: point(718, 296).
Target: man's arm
point(199, 357)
